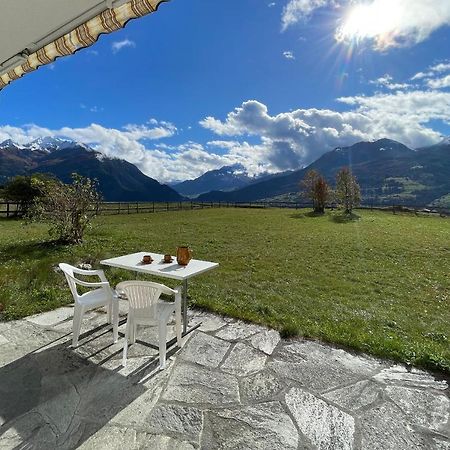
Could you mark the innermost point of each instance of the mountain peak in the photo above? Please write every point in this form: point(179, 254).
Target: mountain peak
point(10, 143)
point(52, 143)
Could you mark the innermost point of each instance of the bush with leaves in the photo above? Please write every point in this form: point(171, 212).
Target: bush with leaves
point(348, 193)
point(22, 190)
point(68, 208)
point(315, 188)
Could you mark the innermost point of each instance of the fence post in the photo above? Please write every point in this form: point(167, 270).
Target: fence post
point(119, 209)
point(128, 208)
point(7, 209)
point(192, 205)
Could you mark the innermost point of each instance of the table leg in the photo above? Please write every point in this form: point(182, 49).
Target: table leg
point(185, 319)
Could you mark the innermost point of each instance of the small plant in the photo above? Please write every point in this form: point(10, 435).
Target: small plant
point(68, 208)
point(315, 188)
point(348, 193)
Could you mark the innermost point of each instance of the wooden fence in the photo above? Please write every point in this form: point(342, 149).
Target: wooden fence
point(10, 209)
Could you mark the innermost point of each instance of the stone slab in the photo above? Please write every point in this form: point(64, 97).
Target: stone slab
point(51, 318)
point(186, 422)
point(260, 386)
point(3, 340)
point(238, 330)
point(326, 426)
point(266, 341)
point(197, 385)
point(413, 378)
point(205, 350)
point(243, 360)
point(209, 322)
point(424, 408)
point(356, 396)
point(319, 367)
point(262, 427)
point(385, 427)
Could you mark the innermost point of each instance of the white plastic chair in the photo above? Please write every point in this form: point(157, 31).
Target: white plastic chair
point(145, 308)
point(102, 296)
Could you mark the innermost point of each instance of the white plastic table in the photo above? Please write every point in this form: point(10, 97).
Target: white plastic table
point(167, 270)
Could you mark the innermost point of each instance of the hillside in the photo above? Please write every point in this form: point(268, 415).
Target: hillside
point(118, 179)
point(226, 178)
point(387, 171)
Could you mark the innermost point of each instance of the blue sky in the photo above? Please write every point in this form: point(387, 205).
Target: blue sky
point(270, 85)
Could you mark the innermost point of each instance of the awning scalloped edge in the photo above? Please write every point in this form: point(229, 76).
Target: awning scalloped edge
point(83, 36)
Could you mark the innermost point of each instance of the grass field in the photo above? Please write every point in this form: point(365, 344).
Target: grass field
point(380, 284)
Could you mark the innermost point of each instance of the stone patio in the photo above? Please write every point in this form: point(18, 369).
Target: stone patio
point(232, 386)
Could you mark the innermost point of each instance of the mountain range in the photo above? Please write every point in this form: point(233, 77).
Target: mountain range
point(118, 179)
point(227, 178)
point(387, 171)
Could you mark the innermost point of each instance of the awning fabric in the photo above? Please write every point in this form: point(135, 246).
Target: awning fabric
point(83, 36)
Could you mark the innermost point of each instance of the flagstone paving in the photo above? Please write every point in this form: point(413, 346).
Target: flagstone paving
point(231, 386)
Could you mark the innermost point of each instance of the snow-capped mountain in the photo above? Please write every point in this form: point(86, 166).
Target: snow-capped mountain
point(9, 143)
point(49, 143)
point(118, 179)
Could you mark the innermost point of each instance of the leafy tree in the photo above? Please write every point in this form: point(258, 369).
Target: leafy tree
point(315, 188)
point(68, 208)
point(21, 189)
point(348, 193)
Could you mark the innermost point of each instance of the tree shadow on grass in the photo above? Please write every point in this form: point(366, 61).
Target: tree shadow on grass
point(306, 215)
point(345, 218)
point(31, 250)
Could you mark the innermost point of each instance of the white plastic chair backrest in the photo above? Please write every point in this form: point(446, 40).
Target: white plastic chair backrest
point(142, 295)
point(68, 272)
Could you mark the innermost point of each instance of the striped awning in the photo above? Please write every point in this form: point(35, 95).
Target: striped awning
point(84, 35)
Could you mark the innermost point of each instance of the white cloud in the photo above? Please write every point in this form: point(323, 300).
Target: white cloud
point(297, 10)
point(387, 23)
point(432, 76)
point(116, 46)
point(439, 83)
point(388, 82)
point(288, 54)
point(271, 4)
point(295, 138)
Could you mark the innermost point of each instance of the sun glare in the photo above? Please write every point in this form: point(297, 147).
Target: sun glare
point(377, 20)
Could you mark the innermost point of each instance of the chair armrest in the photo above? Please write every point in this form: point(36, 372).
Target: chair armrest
point(166, 290)
point(97, 272)
point(91, 285)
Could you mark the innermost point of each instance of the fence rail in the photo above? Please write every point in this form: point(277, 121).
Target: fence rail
point(11, 209)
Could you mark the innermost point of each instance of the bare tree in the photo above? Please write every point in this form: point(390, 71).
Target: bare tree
point(315, 188)
point(348, 193)
point(68, 208)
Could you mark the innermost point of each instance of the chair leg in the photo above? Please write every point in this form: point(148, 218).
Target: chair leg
point(77, 317)
point(114, 306)
point(133, 333)
point(125, 344)
point(109, 312)
point(178, 326)
point(162, 343)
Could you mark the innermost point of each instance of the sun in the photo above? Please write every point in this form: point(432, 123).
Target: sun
point(377, 20)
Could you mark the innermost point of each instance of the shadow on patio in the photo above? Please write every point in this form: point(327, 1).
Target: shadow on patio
point(57, 397)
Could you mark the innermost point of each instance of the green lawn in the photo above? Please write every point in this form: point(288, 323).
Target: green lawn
point(380, 284)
